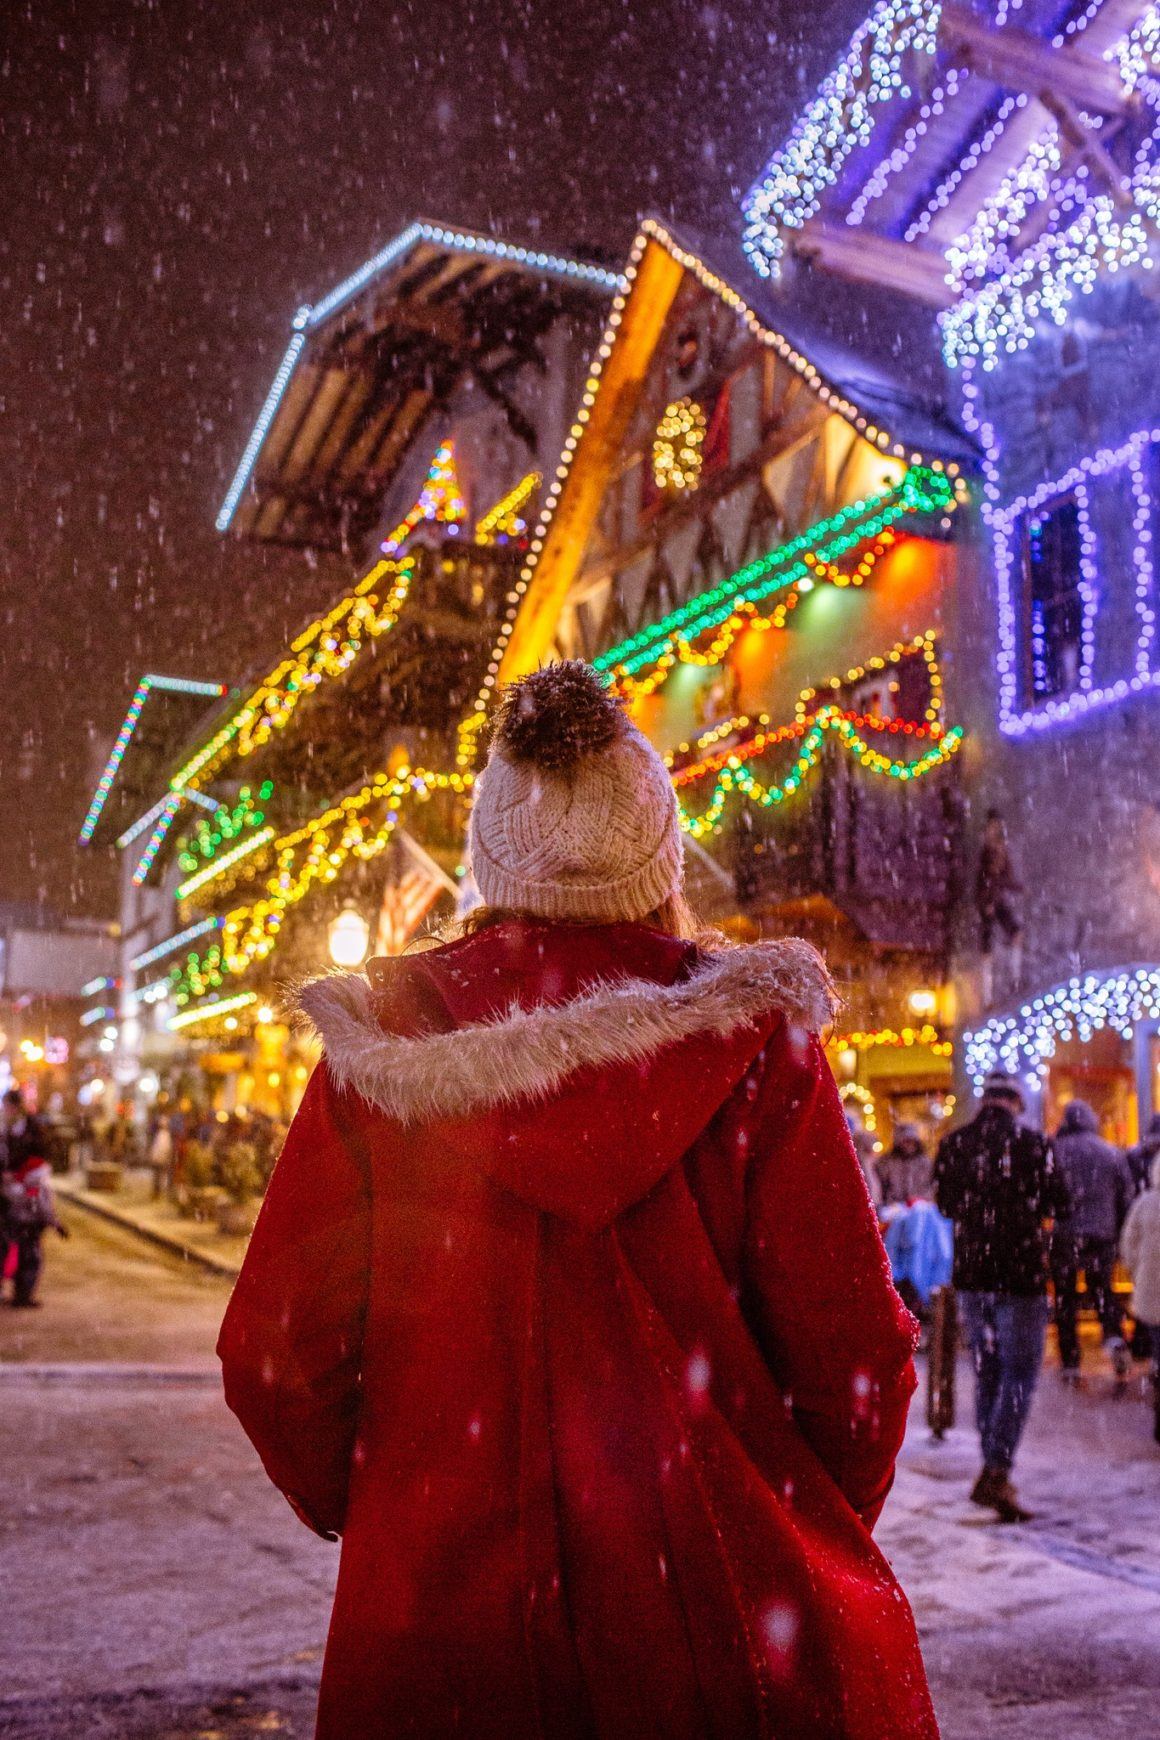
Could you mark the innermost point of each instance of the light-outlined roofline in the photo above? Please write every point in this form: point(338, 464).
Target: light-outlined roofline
point(309, 317)
point(528, 624)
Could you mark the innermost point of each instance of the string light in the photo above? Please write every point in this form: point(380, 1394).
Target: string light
point(728, 605)
point(169, 809)
point(463, 241)
point(738, 775)
point(227, 823)
point(360, 825)
point(225, 862)
point(904, 1038)
point(502, 522)
point(212, 1011)
point(147, 686)
point(1083, 1006)
point(323, 651)
point(679, 446)
point(979, 148)
point(853, 1092)
point(895, 162)
point(831, 398)
point(838, 121)
point(171, 943)
point(439, 500)
point(1006, 527)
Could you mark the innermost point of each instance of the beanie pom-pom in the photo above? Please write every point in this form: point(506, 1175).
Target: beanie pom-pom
point(556, 716)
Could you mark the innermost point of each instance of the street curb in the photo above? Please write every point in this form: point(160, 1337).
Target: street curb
point(176, 1247)
point(199, 1377)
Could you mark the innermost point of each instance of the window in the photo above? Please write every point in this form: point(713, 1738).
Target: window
point(1053, 590)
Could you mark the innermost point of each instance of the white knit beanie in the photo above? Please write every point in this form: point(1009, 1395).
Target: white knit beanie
point(575, 816)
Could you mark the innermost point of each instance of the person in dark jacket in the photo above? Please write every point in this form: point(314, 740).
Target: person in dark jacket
point(1141, 1157)
point(904, 1174)
point(997, 1181)
point(1100, 1187)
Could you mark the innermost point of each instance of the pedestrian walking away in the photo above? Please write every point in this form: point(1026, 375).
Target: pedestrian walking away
point(27, 1208)
point(905, 1173)
point(1140, 1251)
point(997, 1182)
point(1100, 1189)
point(567, 1307)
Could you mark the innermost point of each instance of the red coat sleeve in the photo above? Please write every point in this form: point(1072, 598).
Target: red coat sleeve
point(837, 1336)
point(291, 1342)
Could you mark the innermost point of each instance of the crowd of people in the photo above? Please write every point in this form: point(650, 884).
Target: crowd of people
point(1010, 1218)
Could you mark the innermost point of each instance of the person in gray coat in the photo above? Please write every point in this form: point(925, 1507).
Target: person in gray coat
point(1100, 1186)
point(905, 1174)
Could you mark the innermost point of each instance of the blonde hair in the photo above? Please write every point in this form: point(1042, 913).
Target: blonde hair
point(673, 915)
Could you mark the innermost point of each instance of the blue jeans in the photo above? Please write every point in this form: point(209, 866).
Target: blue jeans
point(1006, 1335)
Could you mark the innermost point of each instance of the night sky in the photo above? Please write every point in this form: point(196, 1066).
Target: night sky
point(177, 179)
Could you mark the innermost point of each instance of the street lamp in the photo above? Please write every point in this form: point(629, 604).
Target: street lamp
point(348, 936)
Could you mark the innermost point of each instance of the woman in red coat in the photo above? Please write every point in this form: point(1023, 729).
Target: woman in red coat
point(567, 1308)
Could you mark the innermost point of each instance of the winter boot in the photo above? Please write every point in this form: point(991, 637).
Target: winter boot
point(994, 1491)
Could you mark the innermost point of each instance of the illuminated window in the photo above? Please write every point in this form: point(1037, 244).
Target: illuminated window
point(1053, 594)
point(679, 447)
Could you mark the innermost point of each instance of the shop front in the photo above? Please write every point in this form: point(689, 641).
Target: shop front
point(1095, 1037)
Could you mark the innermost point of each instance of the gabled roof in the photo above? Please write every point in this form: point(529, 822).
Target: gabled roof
point(892, 373)
point(162, 710)
point(658, 260)
point(365, 365)
point(987, 157)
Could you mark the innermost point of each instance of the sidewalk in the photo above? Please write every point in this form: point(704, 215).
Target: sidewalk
point(134, 1208)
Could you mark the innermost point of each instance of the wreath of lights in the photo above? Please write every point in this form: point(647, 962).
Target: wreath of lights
point(840, 119)
point(470, 729)
point(679, 447)
point(1025, 1042)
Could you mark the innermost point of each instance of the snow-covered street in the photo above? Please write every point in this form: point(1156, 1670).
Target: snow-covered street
point(166, 1591)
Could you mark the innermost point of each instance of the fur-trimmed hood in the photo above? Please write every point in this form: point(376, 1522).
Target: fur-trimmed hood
point(528, 1053)
point(574, 1064)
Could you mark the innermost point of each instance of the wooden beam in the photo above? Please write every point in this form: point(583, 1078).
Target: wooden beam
point(1089, 148)
point(777, 445)
point(872, 259)
point(1018, 61)
point(625, 372)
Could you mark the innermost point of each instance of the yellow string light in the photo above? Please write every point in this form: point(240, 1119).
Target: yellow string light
point(503, 520)
point(324, 650)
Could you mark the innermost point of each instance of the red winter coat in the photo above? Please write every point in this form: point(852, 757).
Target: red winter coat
point(567, 1309)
